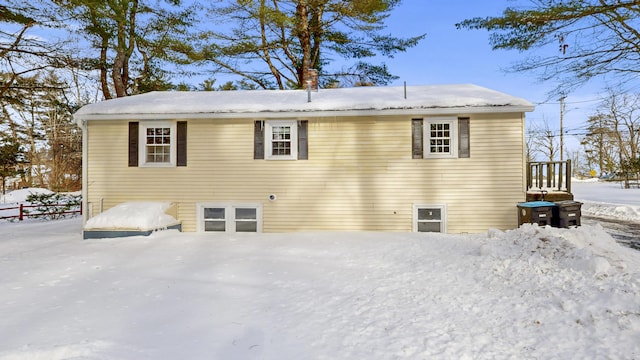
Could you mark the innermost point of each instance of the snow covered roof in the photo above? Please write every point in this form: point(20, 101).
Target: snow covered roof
point(432, 99)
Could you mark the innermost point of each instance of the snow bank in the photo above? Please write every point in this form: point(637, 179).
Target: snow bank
point(611, 211)
point(607, 199)
point(586, 249)
point(84, 350)
point(20, 196)
point(142, 215)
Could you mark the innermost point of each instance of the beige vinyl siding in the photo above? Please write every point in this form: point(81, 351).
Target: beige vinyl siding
point(360, 174)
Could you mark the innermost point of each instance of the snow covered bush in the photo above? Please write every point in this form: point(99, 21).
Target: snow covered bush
point(53, 206)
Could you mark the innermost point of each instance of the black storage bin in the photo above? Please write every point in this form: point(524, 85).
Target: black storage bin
point(567, 213)
point(535, 212)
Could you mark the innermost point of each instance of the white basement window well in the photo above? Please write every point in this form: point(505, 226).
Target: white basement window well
point(430, 218)
point(219, 217)
point(440, 137)
point(281, 140)
point(157, 143)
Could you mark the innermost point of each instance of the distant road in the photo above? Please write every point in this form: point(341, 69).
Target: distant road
point(625, 232)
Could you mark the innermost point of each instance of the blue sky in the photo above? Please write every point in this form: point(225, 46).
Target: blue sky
point(448, 56)
point(451, 56)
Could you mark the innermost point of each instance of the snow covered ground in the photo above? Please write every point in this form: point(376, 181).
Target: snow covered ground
point(607, 199)
point(529, 293)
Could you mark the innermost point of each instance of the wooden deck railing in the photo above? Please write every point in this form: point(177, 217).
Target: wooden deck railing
point(549, 176)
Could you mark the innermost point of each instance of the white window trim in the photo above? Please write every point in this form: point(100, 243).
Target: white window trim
point(142, 143)
point(443, 212)
point(230, 221)
point(268, 139)
point(426, 137)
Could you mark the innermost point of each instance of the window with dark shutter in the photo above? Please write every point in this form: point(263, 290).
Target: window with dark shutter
point(416, 138)
point(258, 140)
point(440, 137)
point(463, 138)
point(133, 144)
point(156, 143)
point(281, 140)
point(181, 149)
point(303, 147)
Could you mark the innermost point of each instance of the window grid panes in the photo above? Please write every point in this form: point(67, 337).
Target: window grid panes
point(429, 220)
point(215, 219)
point(440, 138)
point(246, 219)
point(429, 227)
point(281, 140)
point(230, 218)
point(158, 145)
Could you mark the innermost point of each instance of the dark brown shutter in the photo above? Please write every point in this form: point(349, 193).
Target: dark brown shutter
point(181, 148)
point(133, 144)
point(258, 140)
point(303, 151)
point(463, 138)
point(416, 138)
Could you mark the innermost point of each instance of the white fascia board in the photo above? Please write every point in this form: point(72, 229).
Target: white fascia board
point(305, 114)
point(79, 121)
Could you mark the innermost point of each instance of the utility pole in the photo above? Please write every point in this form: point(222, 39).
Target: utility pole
point(561, 127)
point(563, 50)
point(600, 145)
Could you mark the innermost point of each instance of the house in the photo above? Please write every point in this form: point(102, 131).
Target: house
point(445, 158)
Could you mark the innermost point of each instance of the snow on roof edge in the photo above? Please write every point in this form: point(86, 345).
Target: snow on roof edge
point(440, 99)
point(290, 114)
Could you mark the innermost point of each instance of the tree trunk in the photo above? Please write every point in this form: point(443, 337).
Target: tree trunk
point(265, 45)
point(104, 81)
point(125, 46)
point(303, 34)
point(316, 34)
point(117, 73)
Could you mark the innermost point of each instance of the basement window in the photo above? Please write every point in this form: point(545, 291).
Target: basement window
point(229, 217)
point(429, 218)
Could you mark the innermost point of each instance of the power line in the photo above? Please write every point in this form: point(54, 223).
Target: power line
point(566, 102)
point(573, 132)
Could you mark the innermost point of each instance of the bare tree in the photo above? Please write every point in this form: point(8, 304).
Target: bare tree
point(22, 54)
point(599, 145)
point(621, 116)
point(543, 141)
point(594, 38)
